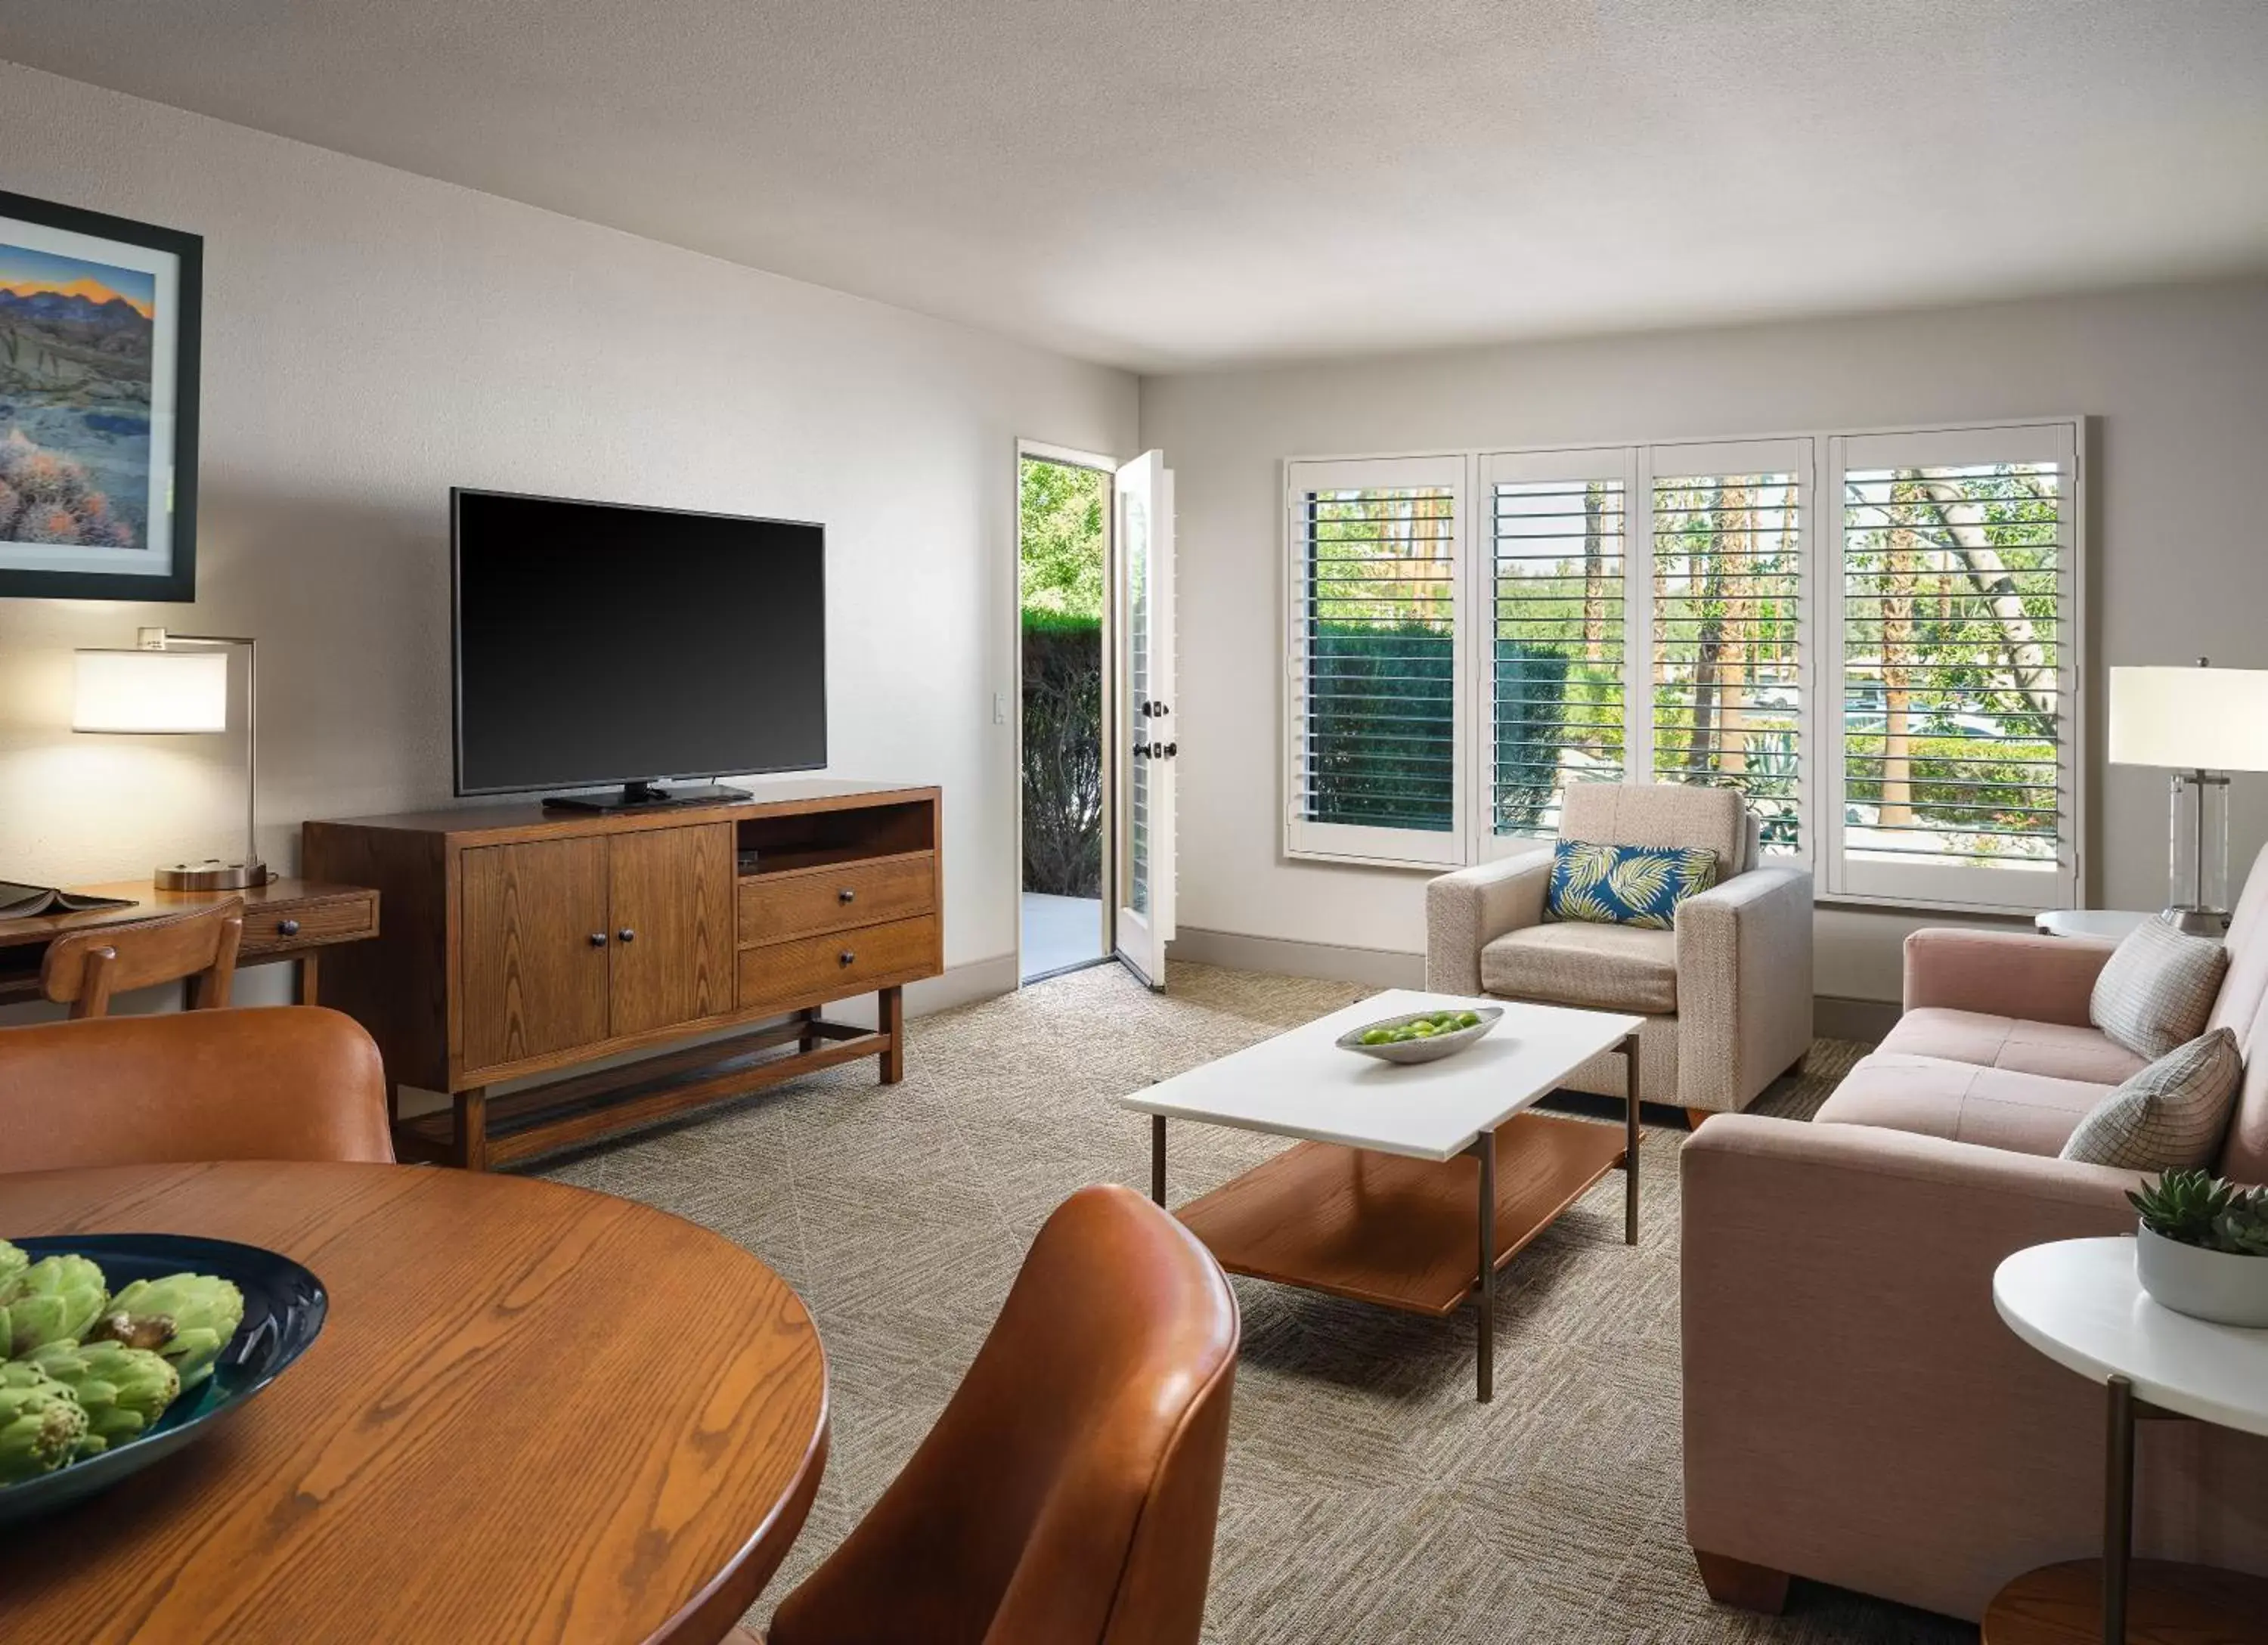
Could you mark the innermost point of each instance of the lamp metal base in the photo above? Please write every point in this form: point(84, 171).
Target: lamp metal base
point(212, 874)
point(2196, 922)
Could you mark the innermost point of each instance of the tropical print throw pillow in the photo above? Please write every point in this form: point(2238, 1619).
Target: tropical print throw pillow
point(1626, 885)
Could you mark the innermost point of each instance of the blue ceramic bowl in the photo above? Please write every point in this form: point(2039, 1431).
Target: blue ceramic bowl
point(283, 1308)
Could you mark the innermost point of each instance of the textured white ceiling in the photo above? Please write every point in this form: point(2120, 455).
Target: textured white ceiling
point(1185, 182)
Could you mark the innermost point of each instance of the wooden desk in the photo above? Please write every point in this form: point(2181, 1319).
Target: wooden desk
point(285, 919)
point(535, 1414)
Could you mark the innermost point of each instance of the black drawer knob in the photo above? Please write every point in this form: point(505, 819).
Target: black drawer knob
point(627, 934)
point(846, 895)
point(287, 927)
point(847, 957)
point(598, 938)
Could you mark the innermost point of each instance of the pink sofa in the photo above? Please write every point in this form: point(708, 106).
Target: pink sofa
point(1855, 1411)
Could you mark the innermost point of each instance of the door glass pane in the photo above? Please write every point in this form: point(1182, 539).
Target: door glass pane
point(1136, 549)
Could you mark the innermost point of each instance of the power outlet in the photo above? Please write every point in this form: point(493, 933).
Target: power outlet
point(999, 708)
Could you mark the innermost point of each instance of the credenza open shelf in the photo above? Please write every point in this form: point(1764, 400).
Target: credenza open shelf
point(521, 943)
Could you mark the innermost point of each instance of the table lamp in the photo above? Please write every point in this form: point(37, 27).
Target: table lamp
point(157, 688)
point(2202, 723)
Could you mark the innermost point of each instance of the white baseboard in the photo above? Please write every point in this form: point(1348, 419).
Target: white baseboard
point(1338, 962)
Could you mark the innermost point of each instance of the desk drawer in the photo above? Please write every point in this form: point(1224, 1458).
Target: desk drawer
point(813, 969)
point(272, 925)
point(775, 907)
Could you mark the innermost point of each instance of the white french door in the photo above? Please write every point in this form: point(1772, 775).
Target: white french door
point(1142, 602)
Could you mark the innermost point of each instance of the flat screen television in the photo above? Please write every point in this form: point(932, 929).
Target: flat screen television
point(600, 644)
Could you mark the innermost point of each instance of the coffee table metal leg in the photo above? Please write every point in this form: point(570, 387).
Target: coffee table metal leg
point(1629, 1140)
point(1485, 1148)
point(2117, 1510)
point(1158, 1159)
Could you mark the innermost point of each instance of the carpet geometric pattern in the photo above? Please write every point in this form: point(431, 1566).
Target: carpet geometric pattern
point(1368, 1497)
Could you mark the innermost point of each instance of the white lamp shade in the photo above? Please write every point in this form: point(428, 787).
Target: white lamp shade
point(151, 691)
point(2190, 719)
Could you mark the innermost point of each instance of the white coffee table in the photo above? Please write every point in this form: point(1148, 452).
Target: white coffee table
point(2079, 1303)
point(1378, 1202)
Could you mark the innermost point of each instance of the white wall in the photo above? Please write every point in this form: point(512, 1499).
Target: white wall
point(2177, 378)
point(373, 337)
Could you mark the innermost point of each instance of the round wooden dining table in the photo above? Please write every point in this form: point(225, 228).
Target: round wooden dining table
point(533, 1413)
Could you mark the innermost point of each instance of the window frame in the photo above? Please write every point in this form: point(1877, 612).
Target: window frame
point(1352, 843)
point(1973, 889)
point(1567, 464)
point(1820, 457)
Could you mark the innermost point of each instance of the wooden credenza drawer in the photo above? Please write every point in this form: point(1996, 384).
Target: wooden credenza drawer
point(807, 901)
point(296, 924)
point(838, 965)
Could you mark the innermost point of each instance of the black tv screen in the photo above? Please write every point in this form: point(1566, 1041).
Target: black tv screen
point(601, 644)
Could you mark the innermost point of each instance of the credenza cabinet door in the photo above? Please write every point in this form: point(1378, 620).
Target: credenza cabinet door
point(672, 898)
point(534, 946)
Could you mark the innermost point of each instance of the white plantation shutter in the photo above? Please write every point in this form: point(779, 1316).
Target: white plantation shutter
point(1728, 626)
point(1955, 764)
point(1376, 652)
point(1554, 657)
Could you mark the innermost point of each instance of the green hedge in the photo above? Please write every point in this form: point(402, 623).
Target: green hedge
point(1062, 753)
point(1962, 783)
point(1382, 726)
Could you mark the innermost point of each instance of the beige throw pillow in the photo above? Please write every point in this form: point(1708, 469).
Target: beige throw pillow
point(2170, 1115)
point(2158, 989)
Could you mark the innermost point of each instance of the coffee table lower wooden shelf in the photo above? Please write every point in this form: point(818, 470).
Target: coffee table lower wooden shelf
point(2166, 1604)
point(1380, 1228)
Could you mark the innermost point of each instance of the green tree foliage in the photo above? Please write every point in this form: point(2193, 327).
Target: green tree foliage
point(1060, 523)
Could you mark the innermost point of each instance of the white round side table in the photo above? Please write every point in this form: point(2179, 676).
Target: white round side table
point(2105, 925)
point(2079, 1303)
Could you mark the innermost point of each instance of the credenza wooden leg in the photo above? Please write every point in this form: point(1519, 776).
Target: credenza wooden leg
point(471, 1138)
point(894, 1024)
point(310, 978)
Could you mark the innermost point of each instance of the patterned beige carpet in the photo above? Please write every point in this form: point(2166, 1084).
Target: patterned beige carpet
point(1368, 1498)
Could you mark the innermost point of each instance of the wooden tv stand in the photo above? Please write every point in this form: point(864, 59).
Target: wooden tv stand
point(520, 941)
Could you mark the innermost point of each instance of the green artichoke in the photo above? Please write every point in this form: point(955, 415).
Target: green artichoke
point(12, 1262)
point(40, 1424)
point(188, 1318)
point(54, 1298)
point(121, 1390)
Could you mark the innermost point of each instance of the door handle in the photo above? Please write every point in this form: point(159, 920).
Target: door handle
point(598, 938)
point(846, 895)
point(847, 957)
point(626, 935)
point(287, 927)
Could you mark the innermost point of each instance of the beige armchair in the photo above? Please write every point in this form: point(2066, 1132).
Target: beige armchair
point(1727, 996)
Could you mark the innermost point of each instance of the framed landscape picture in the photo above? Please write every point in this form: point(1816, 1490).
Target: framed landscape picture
point(99, 321)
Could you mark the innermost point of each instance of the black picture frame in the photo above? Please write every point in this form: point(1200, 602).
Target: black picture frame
point(177, 580)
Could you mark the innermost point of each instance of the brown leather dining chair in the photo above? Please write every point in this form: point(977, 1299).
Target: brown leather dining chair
point(83, 968)
point(1068, 1494)
point(282, 1082)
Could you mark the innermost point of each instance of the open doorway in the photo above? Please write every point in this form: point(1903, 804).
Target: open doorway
point(1062, 532)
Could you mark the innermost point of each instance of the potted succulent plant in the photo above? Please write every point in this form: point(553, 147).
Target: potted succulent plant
point(2204, 1247)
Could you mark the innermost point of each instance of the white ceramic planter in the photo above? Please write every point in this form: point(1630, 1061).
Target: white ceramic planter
point(2215, 1285)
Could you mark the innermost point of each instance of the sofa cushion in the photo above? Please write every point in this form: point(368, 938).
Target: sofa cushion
point(2244, 1155)
point(2057, 1050)
point(2000, 1108)
point(2158, 989)
point(2167, 1118)
point(1657, 814)
point(2245, 986)
point(1605, 968)
point(1625, 885)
